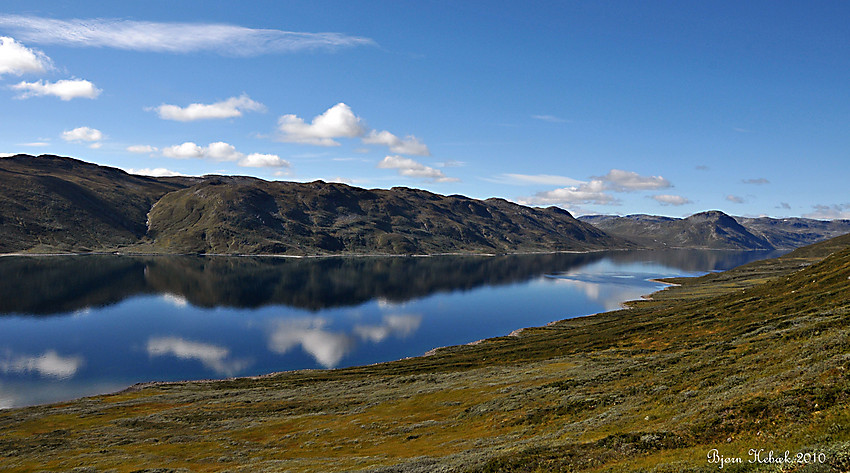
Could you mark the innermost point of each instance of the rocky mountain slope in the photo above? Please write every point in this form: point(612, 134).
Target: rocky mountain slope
point(56, 204)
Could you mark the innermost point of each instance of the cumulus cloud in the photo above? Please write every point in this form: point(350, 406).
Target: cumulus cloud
point(184, 151)
point(17, 59)
point(336, 122)
point(757, 181)
point(221, 151)
point(211, 356)
point(410, 168)
point(409, 145)
point(82, 134)
point(592, 192)
point(396, 325)
point(627, 181)
point(49, 364)
point(829, 212)
point(227, 40)
point(735, 199)
point(257, 160)
point(230, 108)
point(668, 199)
point(66, 89)
point(326, 347)
point(142, 149)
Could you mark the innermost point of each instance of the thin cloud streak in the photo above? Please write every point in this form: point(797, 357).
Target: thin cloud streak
point(224, 39)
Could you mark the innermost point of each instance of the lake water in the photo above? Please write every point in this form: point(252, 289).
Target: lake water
point(73, 326)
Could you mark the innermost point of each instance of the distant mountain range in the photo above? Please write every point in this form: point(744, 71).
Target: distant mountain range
point(717, 230)
point(57, 204)
point(52, 204)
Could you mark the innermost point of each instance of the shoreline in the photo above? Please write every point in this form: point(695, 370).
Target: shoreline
point(431, 352)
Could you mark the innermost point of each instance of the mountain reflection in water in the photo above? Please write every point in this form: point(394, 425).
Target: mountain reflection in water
point(72, 326)
point(62, 284)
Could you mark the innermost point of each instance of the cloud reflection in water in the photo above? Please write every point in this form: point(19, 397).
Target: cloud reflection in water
point(328, 347)
point(49, 364)
point(213, 357)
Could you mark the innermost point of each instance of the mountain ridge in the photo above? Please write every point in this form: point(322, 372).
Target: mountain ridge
point(57, 204)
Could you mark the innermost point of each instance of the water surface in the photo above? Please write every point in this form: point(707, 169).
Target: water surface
point(73, 326)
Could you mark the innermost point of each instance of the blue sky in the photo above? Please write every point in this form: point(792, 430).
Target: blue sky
point(625, 107)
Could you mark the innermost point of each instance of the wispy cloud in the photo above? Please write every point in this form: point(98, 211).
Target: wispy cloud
point(525, 179)
point(224, 39)
point(548, 118)
point(669, 199)
point(142, 149)
point(410, 168)
point(702, 167)
point(829, 212)
point(735, 199)
point(65, 89)
point(230, 108)
point(17, 59)
point(757, 181)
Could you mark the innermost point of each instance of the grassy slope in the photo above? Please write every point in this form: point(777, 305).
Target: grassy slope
point(55, 204)
point(753, 358)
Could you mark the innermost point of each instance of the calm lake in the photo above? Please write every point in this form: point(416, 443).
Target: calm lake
point(73, 326)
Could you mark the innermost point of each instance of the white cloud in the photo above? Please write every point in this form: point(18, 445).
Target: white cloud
point(65, 89)
point(142, 149)
point(227, 40)
point(668, 199)
point(257, 160)
point(409, 145)
point(410, 168)
point(230, 108)
point(82, 133)
point(757, 181)
point(154, 172)
point(7, 155)
point(627, 181)
point(398, 325)
point(17, 59)
point(184, 151)
point(336, 122)
point(213, 357)
point(829, 212)
point(592, 192)
point(327, 348)
point(546, 179)
point(735, 199)
point(49, 364)
point(221, 151)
